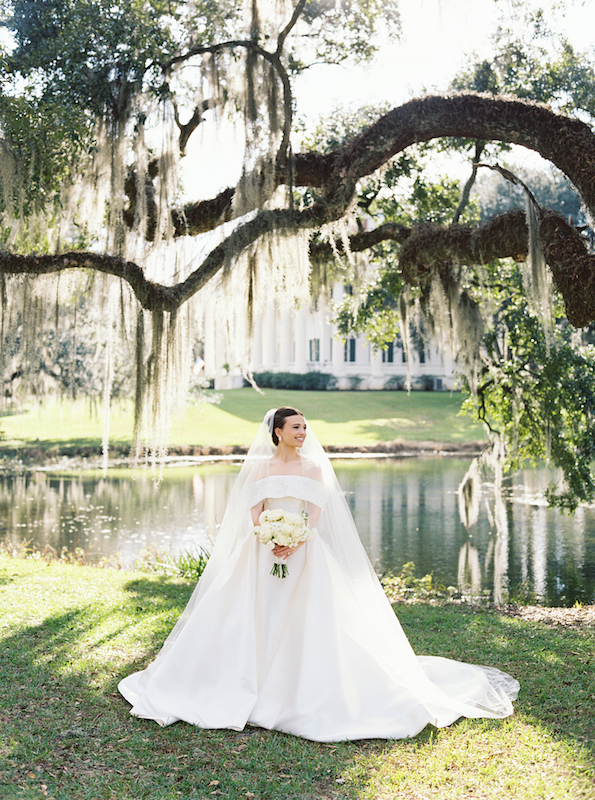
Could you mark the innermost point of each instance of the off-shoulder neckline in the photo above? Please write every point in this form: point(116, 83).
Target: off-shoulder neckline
point(289, 475)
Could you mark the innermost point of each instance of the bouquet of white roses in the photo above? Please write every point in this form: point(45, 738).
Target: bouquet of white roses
point(285, 528)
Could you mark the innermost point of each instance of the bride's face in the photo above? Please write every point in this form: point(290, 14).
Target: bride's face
point(293, 433)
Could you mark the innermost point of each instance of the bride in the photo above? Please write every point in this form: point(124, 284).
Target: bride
point(319, 653)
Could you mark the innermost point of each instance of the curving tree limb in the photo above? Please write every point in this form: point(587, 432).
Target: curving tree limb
point(431, 249)
point(566, 142)
point(426, 250)
point(324, 251)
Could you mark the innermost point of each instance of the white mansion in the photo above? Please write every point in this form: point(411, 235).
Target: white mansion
point(305, 340)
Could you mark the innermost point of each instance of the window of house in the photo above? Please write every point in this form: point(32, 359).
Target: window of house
point(314, 349)
point(350, 350)
point(388, 353)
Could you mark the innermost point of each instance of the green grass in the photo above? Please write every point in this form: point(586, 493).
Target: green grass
point(70, 632)
point(339, 418)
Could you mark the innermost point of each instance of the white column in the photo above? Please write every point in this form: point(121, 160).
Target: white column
point(257, 345)
point(326, 347)
point(268, 336)
point(337, 348)
point(301, 340)
point(285, 341)
point(338, 359)
point(376, 369)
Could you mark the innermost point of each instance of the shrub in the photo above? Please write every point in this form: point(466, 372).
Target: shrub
point(186, 565)
point(426, 383)
point(354, 382)
point(296, 381)
point(405, 587)
point(319, 381)
point(396, 383)
point(287, 380)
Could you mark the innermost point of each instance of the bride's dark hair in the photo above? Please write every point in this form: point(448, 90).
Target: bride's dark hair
point(281, 415)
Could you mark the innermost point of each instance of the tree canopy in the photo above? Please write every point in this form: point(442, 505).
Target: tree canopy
point(101, 103)
point(117, 64)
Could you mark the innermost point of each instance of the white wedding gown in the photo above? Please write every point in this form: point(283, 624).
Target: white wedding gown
point(300, 655)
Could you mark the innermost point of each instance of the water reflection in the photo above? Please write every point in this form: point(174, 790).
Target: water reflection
point(116, 514)
point(406, 510)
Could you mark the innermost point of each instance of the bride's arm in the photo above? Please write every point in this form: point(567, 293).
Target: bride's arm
point(313, 515)
point(256, 511)
point(314, 472)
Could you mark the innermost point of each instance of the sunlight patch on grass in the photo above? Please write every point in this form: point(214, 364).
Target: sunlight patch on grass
point(397, 423)
point(341, 418)
point(479, 759)
point(69, 633)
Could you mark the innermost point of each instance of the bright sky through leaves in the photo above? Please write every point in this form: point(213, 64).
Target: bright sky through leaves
point(438, 39)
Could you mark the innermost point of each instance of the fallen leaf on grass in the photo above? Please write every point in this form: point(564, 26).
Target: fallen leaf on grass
point(213, 783)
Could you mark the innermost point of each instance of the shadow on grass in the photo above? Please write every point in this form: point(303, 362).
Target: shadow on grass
point(13, 412)
point(554, 665)
point(66, 728)
point(159, 593)
point(453, 431)
point(67, 732)
point(5, 578)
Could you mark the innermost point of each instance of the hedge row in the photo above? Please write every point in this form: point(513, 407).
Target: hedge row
point(307, 381)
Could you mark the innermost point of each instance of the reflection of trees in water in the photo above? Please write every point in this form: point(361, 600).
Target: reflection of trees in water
point(534, 553)
point(404, 510)
point(408, 512)
point(495, 569)
point(469, 576)
point(27, 509)
point(554, 553)
point(102, 515)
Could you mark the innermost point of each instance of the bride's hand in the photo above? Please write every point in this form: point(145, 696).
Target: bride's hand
point(281, 551)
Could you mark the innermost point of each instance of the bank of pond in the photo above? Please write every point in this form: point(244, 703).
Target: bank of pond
point(406, 510)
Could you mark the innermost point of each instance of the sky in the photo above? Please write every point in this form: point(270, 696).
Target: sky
point(435, 36)
point(438, 39)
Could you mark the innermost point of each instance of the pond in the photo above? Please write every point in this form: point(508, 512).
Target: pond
point(405, 510)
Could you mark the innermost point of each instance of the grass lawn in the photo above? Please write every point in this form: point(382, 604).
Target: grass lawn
point(70, 632)
point(340, 418)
